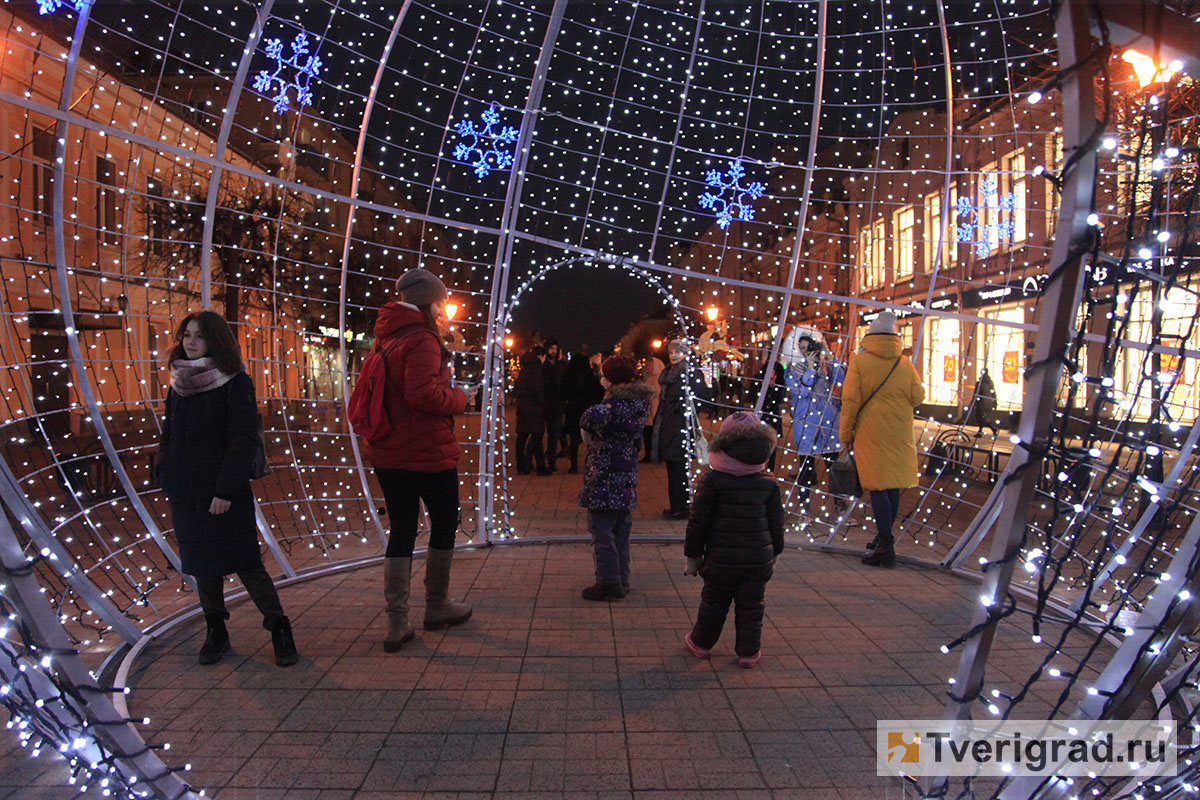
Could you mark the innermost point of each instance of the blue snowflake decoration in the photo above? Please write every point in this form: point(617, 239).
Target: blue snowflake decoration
point(266, 82)
point(50, 6)
point(738, 205)
point(974, 228)
point(488, 149)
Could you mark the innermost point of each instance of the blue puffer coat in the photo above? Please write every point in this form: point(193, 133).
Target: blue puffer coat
point(610, 473)
point(814, 415)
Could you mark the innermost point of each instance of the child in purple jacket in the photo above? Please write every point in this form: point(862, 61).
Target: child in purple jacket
point(612, 429)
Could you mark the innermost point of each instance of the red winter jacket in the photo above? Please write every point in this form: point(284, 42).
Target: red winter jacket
point(419, 399)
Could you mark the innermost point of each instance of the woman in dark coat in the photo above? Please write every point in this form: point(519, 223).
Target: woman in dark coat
point(529, 392)
point(209, 440)
point(672, 438)
point(581, 390)
point(613, 429)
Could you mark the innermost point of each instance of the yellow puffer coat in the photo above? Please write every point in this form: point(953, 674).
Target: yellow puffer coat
point(883, 437)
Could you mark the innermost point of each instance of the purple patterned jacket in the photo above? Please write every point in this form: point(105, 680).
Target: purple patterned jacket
point(614, 426)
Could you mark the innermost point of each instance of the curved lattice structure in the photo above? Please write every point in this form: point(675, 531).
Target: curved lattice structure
point(1024, 204)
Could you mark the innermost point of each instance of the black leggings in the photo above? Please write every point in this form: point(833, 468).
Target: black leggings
point(885, 503)
point(210, 591)
point(403, 492)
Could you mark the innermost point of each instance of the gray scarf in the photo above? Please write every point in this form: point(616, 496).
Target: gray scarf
point(189, 377)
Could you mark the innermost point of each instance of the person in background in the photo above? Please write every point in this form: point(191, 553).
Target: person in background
point(529, 392)
point(650, 372)
point(612, 429)
point(812, 375)
point(417, 462)
point(772, 410)
point(734, 535)
point(678, 384)
point(209, 439)
point(552, 378)
point(581, 390)
point(879, 398)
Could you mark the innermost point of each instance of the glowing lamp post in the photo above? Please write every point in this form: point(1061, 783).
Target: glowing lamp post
point(712, 312)
point(508, 342)
point(451, 309)
point(1146, 70)
point(656, 344)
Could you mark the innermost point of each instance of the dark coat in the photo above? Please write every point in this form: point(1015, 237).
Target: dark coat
point(737, 520)
point(581, 390)
point(208, 443)
point(529, 393)
point(552, 384)
point(670, 442)
point(419, 399)
point(610, 473)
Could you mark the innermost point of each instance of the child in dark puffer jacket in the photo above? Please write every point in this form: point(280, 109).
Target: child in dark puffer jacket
point(734, 535)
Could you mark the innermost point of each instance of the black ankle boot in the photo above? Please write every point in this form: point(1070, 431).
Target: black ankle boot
point(216, 643)
point(881, 557)
point(871, 547)
point(284, 644)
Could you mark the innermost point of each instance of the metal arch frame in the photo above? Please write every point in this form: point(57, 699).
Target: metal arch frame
point(64, 289)
point(503, 268)
point(1056, 317)
point(353, 192)
point(486, 495)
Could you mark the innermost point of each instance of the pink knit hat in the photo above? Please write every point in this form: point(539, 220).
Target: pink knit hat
point(740, 419)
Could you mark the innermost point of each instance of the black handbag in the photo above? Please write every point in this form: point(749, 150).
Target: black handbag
point(259, 468)
point(843, 473)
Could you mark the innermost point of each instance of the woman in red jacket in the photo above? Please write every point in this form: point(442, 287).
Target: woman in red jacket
point(418, 460)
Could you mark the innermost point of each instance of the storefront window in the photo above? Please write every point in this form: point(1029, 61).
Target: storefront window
point(1001, 350)
point(940, 361)
point(1177, 376)
point(903, 222)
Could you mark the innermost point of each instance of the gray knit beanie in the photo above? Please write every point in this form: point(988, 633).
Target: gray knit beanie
point(421, 287)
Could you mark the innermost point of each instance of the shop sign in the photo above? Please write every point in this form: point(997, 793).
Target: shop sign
point(333, 334)
point(912, 310)
point(1010, 371)
point(949, 369)
point(1018, 289)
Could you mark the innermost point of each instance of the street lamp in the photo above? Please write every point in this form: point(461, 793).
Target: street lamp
point(712, 312)
point(1146, 70)
point(451, 309)
point(656, 344)
point(508, 342)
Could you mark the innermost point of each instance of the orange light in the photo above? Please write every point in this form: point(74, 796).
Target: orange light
point(711, 312)
point(656, 344)
point(508, 342)
point(1144, 69)
point(451, 310)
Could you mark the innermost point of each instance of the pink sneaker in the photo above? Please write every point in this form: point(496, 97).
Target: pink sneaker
point(750, 662)
point(696, 650)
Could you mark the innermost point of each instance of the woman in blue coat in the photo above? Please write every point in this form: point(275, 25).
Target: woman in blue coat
point(812, 374)
point(209, 439)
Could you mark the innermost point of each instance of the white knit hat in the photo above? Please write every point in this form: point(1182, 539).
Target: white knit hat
point(884, 323)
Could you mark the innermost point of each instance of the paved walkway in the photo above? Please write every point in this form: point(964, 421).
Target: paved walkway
point(545, 695)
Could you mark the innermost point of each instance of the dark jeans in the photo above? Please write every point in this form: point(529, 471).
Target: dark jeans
point(677, 485)
point(211, 593)
point(647, 441)
point(742, 588)
point(886, 506)
point(530, 444)
point(808, 468)
point(610, 541)
point(403, 492)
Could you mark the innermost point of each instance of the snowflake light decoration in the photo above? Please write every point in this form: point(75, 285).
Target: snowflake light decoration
point(266, 81)
point(974, 225)
point(487, 148)
point(738, 204)
point(50, 6)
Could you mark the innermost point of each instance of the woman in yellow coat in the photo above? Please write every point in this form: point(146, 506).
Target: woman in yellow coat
point(881, 431)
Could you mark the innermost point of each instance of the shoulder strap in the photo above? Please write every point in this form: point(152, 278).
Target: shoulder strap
point(895, 364)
